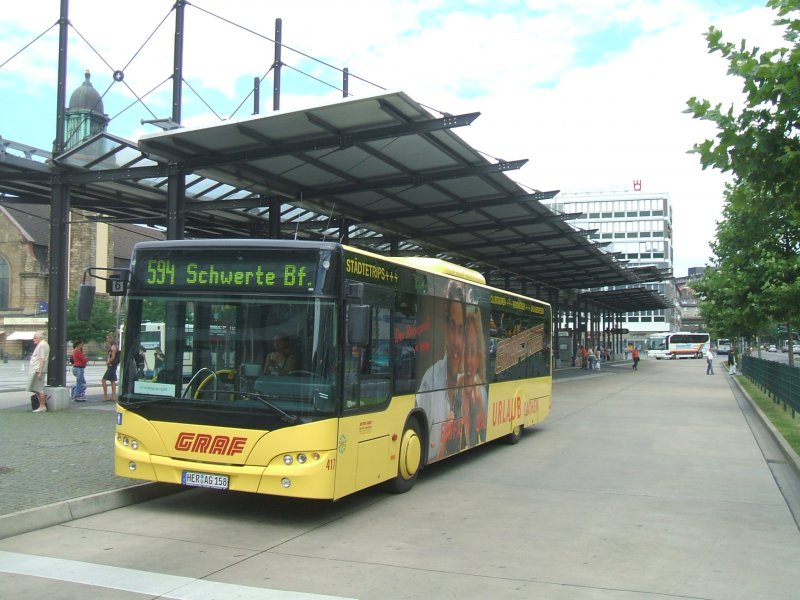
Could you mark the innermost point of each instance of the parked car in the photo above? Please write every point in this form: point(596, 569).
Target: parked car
point(772, 348)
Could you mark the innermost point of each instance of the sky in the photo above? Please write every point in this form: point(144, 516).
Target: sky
point(591, 92)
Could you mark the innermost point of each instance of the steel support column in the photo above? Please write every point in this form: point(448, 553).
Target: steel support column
point(274, 218)
point(176, 180)
point(58, 290)
point(276, 66)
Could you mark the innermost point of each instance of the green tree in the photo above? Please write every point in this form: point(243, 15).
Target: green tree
point(101, 321)
point(755, 269)
point(757, 274)
point(723, 291)
point(759, 142)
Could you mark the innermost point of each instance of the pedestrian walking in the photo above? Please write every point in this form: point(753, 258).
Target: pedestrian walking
point(112, 362)
point(79, 361)
point(709, 362)
point(635, 356)
point(37, 369)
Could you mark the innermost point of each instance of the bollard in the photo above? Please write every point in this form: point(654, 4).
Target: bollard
point(57, 397)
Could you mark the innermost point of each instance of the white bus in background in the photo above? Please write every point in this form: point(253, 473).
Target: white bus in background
point(678, 344)
point(723, 346)
point(152, 337)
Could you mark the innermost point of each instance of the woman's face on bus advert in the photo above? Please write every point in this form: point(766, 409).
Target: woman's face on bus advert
point(455, 339)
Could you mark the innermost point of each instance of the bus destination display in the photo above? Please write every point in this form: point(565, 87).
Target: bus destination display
point(280, 273)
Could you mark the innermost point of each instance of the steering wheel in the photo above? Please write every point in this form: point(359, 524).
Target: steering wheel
point(300, 373)
point(227, 375)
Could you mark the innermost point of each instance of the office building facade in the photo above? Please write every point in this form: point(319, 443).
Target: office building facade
point(637, 227)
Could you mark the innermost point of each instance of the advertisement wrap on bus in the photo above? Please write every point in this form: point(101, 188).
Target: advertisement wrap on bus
point(315, 370)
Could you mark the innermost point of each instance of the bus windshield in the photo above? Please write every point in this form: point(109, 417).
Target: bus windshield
point(247, 353)
point(657, 342)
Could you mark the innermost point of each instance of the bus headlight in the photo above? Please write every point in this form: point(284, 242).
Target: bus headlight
point(132, 466)
point(301, 458)
point(287, 460)
point(126, 441)
point(285, 482)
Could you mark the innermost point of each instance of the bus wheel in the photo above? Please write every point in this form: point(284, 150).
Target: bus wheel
point(514, 436)
point(409, 459)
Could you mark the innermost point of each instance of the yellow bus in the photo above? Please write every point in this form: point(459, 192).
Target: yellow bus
point(314, 370)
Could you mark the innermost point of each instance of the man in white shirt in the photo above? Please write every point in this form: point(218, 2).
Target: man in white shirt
point(37, 369)
point(709, 362)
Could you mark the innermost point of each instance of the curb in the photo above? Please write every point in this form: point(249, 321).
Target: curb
point(791, 456)
point(68, 510)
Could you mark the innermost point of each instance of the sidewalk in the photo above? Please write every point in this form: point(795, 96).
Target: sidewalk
point(58, 465)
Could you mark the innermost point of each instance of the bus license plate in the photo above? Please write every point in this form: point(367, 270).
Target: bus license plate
point(206, 480)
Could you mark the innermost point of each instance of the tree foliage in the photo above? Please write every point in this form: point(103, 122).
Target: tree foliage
point(756, 274)
point(758, 143)
point(101, 321)
point(756, 269)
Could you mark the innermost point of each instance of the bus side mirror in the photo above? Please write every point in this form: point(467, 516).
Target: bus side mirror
point(358, 316)
point(85, 301)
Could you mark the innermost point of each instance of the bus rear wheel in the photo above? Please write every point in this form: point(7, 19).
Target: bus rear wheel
point(409, 459)
point(515, 435)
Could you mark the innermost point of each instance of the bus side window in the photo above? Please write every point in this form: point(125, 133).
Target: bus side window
point(368, 369)
point(405, 324)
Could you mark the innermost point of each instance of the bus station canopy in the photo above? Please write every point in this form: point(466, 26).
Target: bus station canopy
point(627, 300)
point(381, 173)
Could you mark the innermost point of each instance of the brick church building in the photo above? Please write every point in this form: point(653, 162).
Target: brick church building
point(25, 242)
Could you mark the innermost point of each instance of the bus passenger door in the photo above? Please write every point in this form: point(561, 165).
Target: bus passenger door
point(363, 442)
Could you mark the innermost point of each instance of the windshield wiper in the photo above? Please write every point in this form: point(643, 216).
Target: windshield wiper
point(127, 403)
point(286, 417)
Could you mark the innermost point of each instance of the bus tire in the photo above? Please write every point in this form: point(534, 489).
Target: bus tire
point(515, 436)
point(409, 458)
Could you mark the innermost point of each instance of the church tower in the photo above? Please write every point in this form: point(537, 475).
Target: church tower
point(90, 240)
point(84, 116)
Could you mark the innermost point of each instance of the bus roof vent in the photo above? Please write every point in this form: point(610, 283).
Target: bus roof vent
point(437, 265)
